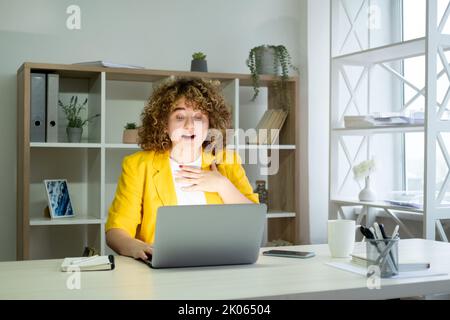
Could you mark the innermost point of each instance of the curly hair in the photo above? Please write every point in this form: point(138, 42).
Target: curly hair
point(199, 94)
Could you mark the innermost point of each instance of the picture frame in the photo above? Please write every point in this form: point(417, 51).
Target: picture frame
point(58, 198)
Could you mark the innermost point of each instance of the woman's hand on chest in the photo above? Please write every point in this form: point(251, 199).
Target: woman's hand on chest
point(201, 180)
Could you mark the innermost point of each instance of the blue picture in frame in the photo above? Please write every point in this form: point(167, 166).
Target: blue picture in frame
point(58, 198)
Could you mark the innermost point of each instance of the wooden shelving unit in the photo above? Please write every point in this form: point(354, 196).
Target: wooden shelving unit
point(93, 166)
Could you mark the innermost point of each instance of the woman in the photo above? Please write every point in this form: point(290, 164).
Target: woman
point(176, 166)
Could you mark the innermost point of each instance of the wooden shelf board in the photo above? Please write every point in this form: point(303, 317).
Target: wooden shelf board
point(43, 221)
point(63, 145)
point(122, 146)
point(263, 146)
point(124, 74)
point(280, 214)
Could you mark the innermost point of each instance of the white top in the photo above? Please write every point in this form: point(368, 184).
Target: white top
point(187, 197)
point(270, 277)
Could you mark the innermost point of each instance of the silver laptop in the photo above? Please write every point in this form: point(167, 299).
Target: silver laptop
point(208, 235)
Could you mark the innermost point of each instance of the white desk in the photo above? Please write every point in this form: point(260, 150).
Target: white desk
point(270, 277)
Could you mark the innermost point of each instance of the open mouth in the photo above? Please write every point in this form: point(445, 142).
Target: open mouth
point(188, 137)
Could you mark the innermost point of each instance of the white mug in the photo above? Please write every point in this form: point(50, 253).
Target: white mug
point(341, 237)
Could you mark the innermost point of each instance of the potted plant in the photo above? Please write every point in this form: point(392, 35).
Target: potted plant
point(269, 59)
point(130, 134)
point(198, 62)
point(75, 122)
point(363, 171)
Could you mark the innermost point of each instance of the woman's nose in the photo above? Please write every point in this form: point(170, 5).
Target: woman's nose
point(189, 123)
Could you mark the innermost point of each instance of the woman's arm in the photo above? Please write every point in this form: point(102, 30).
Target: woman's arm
point(125, 211)
point(122, 243)
point(230, 194)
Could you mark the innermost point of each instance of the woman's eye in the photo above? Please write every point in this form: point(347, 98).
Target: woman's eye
point(179, 117)
point(198, 118)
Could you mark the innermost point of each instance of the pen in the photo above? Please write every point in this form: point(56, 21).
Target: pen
point(379, 231)
point(383, 232)
point(366, 232)
point(371, 234)
point(372, 230)
point(395, 233)
point(381, 260)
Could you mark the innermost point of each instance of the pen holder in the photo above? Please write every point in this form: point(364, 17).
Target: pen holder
point(384, 255)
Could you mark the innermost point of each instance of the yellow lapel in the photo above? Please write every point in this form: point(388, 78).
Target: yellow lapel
point(207, 159)
point(162, 179)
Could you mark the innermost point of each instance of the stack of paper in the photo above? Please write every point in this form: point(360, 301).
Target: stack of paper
point(350, 267)
point(107, 64)
point(370, 121)
point(403, 266)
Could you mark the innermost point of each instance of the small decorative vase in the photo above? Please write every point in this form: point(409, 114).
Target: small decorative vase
point(130, 136)
point(262, 192)
point(367, 194)
point(199, 66)
point(74, 134)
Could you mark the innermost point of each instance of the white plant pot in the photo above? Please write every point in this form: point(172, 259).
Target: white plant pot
point(367, 194)
point(267, 61)
point(74, 134)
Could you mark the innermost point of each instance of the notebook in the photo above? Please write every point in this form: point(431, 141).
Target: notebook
point(94, 263)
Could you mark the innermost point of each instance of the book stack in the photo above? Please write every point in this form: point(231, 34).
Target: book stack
point(272, 121)
point(94, 263)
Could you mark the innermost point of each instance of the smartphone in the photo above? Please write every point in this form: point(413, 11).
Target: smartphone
point(289, 254)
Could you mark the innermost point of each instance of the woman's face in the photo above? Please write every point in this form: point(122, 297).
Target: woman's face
point(187, 127)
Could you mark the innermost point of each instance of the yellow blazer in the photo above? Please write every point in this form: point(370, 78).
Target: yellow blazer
point(146, 184)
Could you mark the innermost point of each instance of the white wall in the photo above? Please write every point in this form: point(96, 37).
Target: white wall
point(151, 33)
point(314, 129)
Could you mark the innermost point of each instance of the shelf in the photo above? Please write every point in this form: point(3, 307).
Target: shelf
point(94, 166)
point(83, 145)
point(145, 75)
point(379, 130)
point(280, 214)
point(121, 146)
point(375, 204)
point(63, 145)
point(262, 146)
point(42, 221)
point(372, 80)
point(391, 52)
point(402, 215)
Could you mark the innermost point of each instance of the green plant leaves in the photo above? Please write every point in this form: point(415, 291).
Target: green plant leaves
point(281, 58)
point(72, 111)
point(131, 125)
point(199, 56)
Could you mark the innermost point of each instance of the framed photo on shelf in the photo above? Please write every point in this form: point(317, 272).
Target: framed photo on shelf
point(58, 198)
